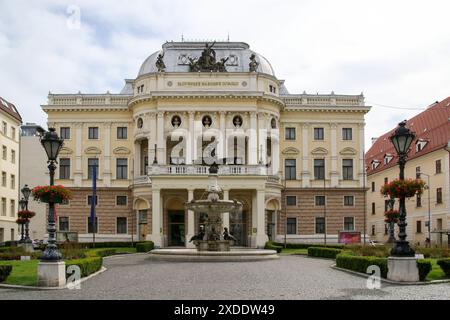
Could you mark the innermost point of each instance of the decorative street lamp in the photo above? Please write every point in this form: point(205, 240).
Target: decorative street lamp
point(52, 145)
point(26, 191)
point(22, 203)
point(402, 139)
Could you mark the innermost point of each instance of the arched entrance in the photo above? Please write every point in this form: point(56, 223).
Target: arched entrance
point(176, 224)
point(272, 207)
point(141, 207)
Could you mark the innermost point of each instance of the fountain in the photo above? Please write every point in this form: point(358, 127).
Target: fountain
point(210, 238)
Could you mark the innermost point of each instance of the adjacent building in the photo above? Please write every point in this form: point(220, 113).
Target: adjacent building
point(9, 168)
point(33, 172)
point(295, 161)
point(428, 159)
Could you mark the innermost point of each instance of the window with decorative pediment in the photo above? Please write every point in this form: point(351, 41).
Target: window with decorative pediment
point(420, 144)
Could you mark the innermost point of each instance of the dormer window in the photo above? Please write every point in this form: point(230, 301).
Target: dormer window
point(140, 89)
point(375, 164)
point(387, 158)
point(420, 144)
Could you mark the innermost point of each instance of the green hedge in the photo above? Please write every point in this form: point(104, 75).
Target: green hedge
point(445, 266)
point(87, 265)
point(144, 246)
point(307, 245)
point(360, 264)
point(424, 266)
point(321, 252)
point(5, 270)
point(97, 245)
point(9, 256)
point(271, 246)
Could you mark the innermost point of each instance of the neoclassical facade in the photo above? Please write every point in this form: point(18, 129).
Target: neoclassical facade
point(295, 161)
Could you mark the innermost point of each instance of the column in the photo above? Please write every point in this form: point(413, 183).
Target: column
point(78, 172)
point(160, 139)
point(191, 222)
point(226, 215)
point(137, 159)
point(221, 153)
point(107, 155)
point(261, 235)
point(253, 141)
point(362, 167)
point(305, 156)
point(334, 175)
point(262, 138)
point(190, 139)
point(254, 229)
point(156, 218)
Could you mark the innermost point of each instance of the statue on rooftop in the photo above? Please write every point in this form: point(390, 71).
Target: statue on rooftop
point(207, 61)
point(253, 65)
point(160, 65)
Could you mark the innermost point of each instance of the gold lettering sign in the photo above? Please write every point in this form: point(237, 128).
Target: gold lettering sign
point(207, 83)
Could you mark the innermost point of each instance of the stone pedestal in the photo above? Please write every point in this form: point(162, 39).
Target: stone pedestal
point(403, 269)
point(52, 274)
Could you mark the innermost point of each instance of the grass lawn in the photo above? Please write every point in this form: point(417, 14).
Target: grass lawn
point(289, 251)
point(24, 273)
point(436, 272)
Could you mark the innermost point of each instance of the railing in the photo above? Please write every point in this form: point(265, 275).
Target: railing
point(230, 170)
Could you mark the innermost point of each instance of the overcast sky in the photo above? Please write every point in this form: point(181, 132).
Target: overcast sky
point(396, 52)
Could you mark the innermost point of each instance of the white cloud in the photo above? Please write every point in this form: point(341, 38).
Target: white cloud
point(396, 52)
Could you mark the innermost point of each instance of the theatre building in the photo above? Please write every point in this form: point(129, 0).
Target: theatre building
point(295, 161)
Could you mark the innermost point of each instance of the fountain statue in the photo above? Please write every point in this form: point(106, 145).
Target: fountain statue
point(210, 237)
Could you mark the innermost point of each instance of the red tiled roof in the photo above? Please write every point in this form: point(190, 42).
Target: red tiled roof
point(10, 109)
point(431, 125)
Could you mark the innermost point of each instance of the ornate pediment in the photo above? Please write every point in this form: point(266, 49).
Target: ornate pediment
point(92, 150)
point(319, 151)
point(65, 150)
point(121, 150)
point(291, 151)
point(348, 152)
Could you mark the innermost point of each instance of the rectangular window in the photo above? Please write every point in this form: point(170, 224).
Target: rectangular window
point(64, 133)
point(13, 156)
point(347, 169)
point(122, 133)
point(386, 205)
point(349, 224)
point(418, 200)
point(373, 208)
point(93, 132)
point(63, 223)
point(349, 201)
point(439, 195)
point(386, 180)
point(320, 225)
point(418, 226)
point(4, 179)
point(318, 133)
point(373, 230)
point(438, 166)
point(4, 153)
point(373, 186)
point(89, 200)
point(121, 200)
point(92, 165)
point(13, 133)
point(417, 172)
point(290, 169)
point(347, 134)
point(319, 169)
point(320, 200)
point(13, 181)
point(64, 168)
point(3, 206)
point(291, 225)
point(4, 128)
point(289, 134)
point(291, 200)
point(12, 206)
point(122, 168)
point(121, 225)
point(91, 228)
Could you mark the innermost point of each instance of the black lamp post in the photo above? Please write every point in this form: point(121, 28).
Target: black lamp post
point(26, 191)
point(22, 204)
point(402, 139)
point(52, 144)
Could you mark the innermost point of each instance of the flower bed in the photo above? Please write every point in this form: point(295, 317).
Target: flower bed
point(403, 188)
point(56, 194)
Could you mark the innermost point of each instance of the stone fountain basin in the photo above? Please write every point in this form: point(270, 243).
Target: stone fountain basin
point(192, 255)
point(219, 206)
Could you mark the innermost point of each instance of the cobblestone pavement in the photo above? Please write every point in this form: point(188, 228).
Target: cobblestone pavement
point(290, 277)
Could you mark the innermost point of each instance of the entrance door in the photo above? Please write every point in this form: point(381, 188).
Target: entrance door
point(142, 220)
point(271, 224)
point(176, 228)
point(238, 227)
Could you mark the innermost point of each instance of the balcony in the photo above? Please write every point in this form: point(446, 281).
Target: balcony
point(226, 170)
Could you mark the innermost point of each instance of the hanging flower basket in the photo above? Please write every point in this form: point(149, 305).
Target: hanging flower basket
point(391, 216)
point(21, 221)
point(403, 188)
point(26, 214)
point(55, 194)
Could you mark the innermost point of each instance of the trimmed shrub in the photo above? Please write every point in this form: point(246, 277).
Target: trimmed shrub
point(370, 251)
point(435, 253)
point(144, 246)
point(445, 266)
point(4, 272)
point(360, 264)
point(307, 245)
point(271, 246)
point(321, 252)
point(9, 256)
point(105, 252)
point(424, 267)
point(16, 250)
point(87, 265)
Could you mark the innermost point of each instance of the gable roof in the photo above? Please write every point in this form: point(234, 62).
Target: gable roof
point(431, 125)
point(10, 109)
